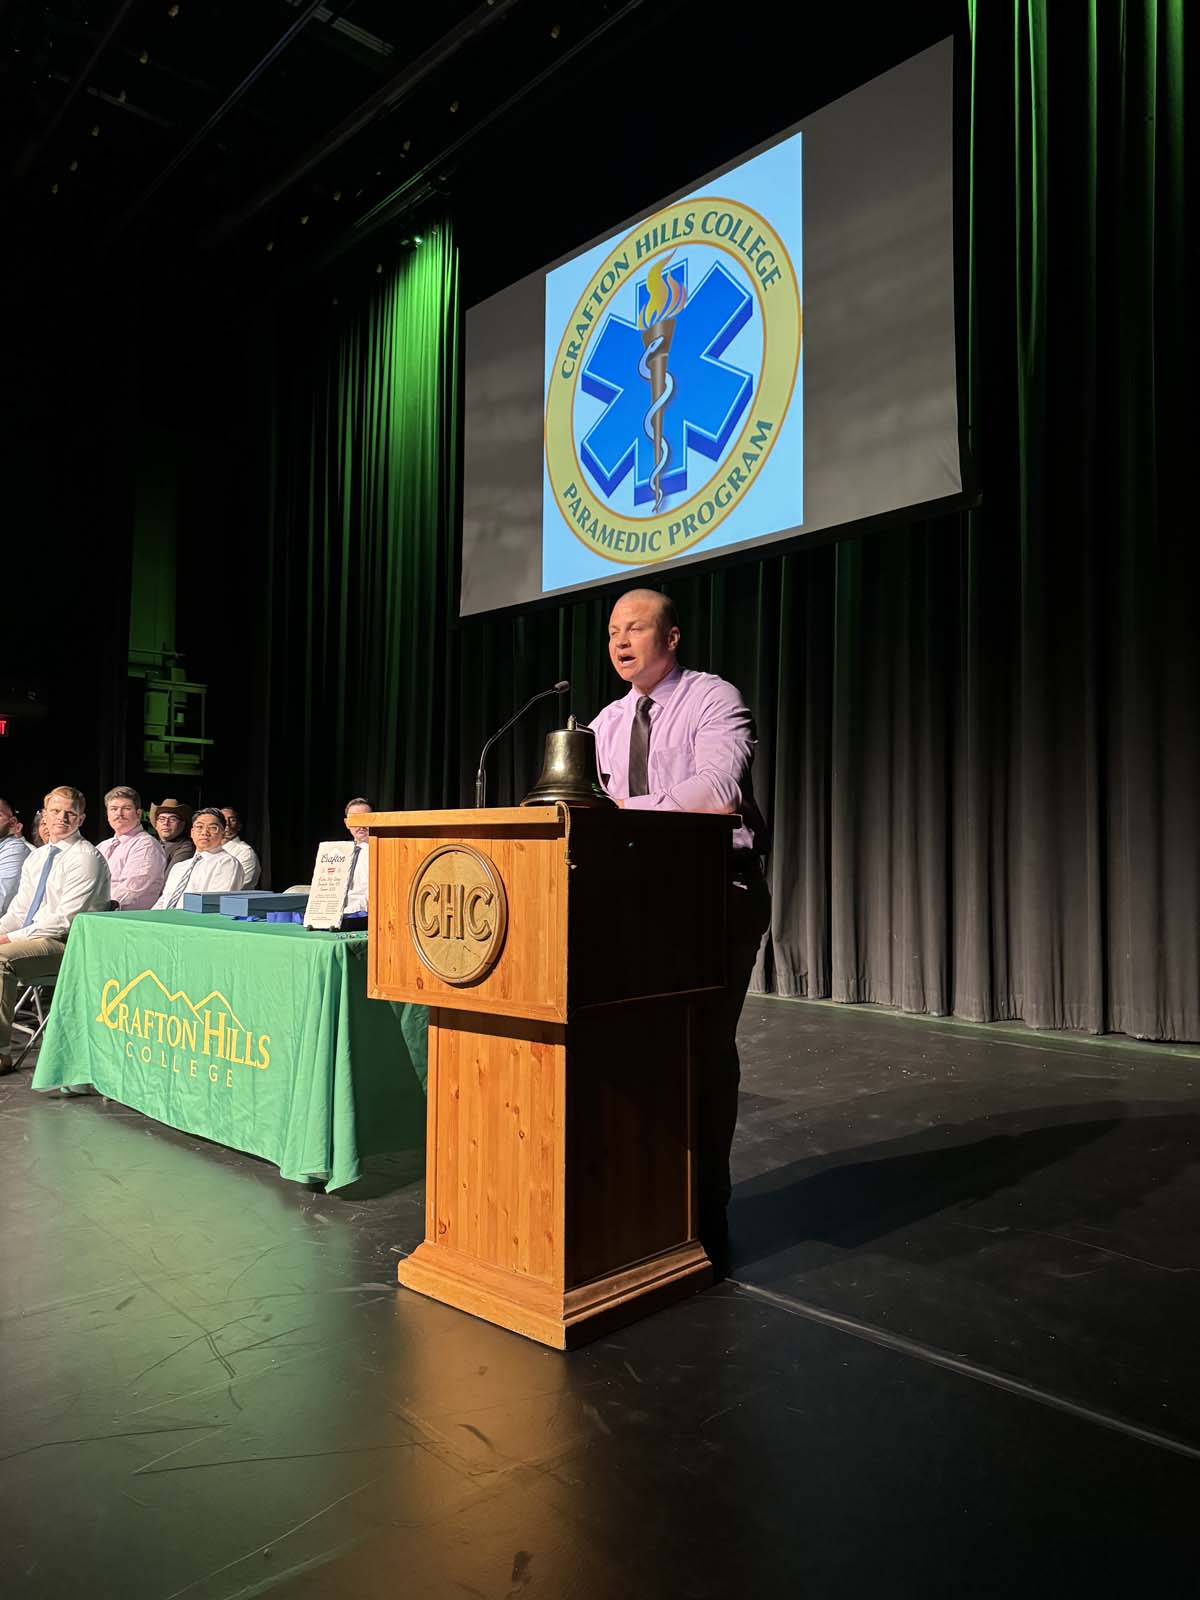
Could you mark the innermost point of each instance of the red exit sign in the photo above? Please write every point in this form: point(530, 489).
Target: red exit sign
point(3, 726)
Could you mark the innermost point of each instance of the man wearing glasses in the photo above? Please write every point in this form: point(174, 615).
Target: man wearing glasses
point(212, 870)
point(66, 876)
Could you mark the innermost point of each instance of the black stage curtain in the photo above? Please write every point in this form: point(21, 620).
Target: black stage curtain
point(67, 418)
point(978, 742)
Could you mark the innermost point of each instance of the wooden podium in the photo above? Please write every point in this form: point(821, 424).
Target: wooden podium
point(561, 952)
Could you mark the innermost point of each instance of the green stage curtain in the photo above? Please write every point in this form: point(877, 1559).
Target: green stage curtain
point(353, 649)
point(978, 736)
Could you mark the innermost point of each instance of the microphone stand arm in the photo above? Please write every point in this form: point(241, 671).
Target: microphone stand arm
point(481, 775)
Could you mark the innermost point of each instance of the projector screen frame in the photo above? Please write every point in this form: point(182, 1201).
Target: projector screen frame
point(653, 575)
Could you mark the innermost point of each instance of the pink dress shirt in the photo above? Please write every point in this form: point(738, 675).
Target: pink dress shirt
point(701, 749)
point(138, 867)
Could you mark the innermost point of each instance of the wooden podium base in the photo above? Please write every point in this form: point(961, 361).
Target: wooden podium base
point(563, 1321)
point(559, 1193)
point(567, 957)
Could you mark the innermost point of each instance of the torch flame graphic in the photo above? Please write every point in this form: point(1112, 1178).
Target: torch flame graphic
point(665, 299)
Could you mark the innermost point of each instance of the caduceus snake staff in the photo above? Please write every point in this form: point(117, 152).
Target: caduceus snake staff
point(665, 297)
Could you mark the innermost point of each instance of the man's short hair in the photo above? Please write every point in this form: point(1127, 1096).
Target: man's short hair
point(75, 796)
point(666, 606)
point(123, 792)
point(209, 811)
point(359, 800)
point(4, 806)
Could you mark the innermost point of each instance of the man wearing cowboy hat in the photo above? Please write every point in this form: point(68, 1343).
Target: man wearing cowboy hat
point(171, 820)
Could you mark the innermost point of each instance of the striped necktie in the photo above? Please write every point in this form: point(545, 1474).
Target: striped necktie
point(183, 883)
point(35, 903)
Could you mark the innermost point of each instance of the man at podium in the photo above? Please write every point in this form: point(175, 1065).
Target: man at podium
point(684, 741)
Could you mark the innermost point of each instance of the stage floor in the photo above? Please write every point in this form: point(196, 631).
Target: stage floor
point(956, 1356)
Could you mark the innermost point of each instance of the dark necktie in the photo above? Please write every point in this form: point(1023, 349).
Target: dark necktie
point(639, 748)
point(350, 877)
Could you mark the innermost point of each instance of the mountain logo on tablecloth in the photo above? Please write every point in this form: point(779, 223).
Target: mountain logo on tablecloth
point(213, 1031)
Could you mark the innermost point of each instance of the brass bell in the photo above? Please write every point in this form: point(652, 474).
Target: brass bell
point(569, 771)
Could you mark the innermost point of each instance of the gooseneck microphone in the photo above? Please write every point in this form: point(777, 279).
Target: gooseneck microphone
point(563, 686)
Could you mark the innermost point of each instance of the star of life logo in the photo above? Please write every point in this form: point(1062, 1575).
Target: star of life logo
point(672, 379)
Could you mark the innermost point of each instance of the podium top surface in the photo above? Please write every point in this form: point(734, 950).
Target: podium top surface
point(473, 816)
point(535, 817)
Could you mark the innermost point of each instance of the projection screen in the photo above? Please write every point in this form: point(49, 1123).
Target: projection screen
point(765, 355)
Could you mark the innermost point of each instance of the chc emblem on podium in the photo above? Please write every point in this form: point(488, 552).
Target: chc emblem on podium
point(457, 913)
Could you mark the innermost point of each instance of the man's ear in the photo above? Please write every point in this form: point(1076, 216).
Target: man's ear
point(672, 640)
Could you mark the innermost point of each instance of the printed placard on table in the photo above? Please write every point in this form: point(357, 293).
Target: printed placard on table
point(330, 881)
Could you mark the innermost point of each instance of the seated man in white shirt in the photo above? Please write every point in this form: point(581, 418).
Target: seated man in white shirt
point(60, 880)
point(137, 862)
point(212, 870)
point(237, 846)
point(360, 871)
point(13, 851)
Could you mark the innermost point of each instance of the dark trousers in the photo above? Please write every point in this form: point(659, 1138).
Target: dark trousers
point(748, 916)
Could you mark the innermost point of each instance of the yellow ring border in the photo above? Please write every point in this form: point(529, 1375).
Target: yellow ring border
point(690, 507)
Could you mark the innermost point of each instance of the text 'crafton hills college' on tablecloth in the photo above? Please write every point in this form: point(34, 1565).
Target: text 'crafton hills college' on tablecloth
point(166, 1028)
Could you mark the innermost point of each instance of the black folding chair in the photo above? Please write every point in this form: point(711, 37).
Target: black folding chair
point(31, 1015)
point(33, 1007)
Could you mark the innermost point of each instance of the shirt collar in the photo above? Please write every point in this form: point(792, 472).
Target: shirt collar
point(662, 690)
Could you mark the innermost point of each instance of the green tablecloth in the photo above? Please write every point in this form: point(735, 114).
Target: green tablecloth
point(256, 1035)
